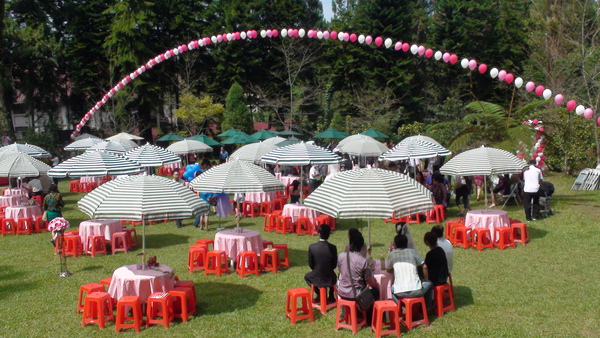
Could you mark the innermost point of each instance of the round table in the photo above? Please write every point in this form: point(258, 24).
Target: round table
point(95, 227)
point(384, 281)
point(259, 197)
point(20, 211)
point(234, 242)
point(487, 218)
point(131, 280)
point(8, 200)
point(296, 210)
point(287, 180)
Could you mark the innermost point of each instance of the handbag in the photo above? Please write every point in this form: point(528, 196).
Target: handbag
point(364, 299)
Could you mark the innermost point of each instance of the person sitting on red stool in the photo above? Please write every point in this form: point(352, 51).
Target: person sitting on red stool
point(322, 259)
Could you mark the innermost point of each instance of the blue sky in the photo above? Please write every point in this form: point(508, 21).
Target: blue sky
point(327, 12)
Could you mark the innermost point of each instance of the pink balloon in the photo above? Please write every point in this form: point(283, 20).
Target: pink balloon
point(472, 64)
point(224, 37)
point(598, 122)
point(353, 37)
point(112, 91)
point(429, 53)
point(405, 47)
point(219, 38)
point(540, 150)
point(509, 78)
point(184, 47)
point(446, 57)
point(378, 41)
point(334, 35)
point(119, 85)
point(368, 40)
point(571, 105)
point(106, 97)
point(274, 33)
point(453, 58)
point(346, 36)
point(482, 68)
point(206, 41)
point(421, 50)
point(558, 99)
point(269, 33)
point(501, 75)
point(295, 32)
point(255, 33)
point(310, 33)
point(326, 35)
point(542, 130)
point(588, 113)
point(539, 90)
point(398, 45)
point(530, 86)
point(535, 121)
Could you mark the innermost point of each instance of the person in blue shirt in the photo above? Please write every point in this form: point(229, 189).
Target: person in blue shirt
point(203, 218)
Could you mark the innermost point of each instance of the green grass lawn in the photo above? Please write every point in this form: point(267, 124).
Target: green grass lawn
point(546, 288)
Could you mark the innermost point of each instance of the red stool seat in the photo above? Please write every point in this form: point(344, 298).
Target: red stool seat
point(269, 260)
point(413, 306)
point(98, 309)
point(520, 233)
point(133, 239)
point(207, 242)
point(184, 303)
point(350, 319)
point(266, 243)
point(504, 238)
point(482, 238)
point(25, 225)
point(284, 224)
point(120, 241)
point(74, 186)
point(441, 212)
point(298, 300)
point(304, 226)
point(443, 298)
point(106, 281)
point(250, 208)
point(40, 224)
point(159, 305)
point(450, 225)
point(8, 226)
point(72, 245)
point(462, 236)
point(265, 208)
point(377, 324)
point(284, 259)
point(96, 245)
point(125, 304)
point(86, 289)
point(247, 262)
point(197, 258)
point(269, 223)
point(216, 262)
point(323, 304)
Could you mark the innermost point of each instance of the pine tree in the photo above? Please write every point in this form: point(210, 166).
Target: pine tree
point(237, 114)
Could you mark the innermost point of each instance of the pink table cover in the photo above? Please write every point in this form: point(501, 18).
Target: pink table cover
point(299, 210)
point(95, 227)
point(15, 191)
point(20, 211)
point(487, 218)
point(260, 197)
point(233, 242)
point(96, 180)
point(173, 166)
point(287, 180)
point(384, 281)
point(9, 200)
point(131, 280)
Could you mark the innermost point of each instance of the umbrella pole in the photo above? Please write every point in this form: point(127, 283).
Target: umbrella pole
point(143, 241)
point(485, 191)
point(369, 226)
point(301, 184)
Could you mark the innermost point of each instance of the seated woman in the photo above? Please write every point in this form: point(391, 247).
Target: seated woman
point(503, 188)
point(295, 192)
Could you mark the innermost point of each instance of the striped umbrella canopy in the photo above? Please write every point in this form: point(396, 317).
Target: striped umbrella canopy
point(370, 193)
point(129, 144)
point(205, 139)
point(363, 145)
point(275, 140)
point(301, 154)
point(85, 135)
point(374, 133)
point(189, 147)
point(125, 136)
point(236, 177)
point(112, 147)
point(240, 138)
point(29, 149)
point(416, 147)
point(83, 143)
point(263, 135)
point(150, 155)
point(331, 133)
point(229, 133)
point(171, 137)
point(95, 164)
point(142, 198)
point(16, 164)
point(253, 152)
point(484, 161)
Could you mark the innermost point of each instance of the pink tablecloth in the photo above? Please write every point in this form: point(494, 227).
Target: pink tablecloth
point(15, 191)
point(260, 197)
point(9, 200)
point(384, 281)
point(487, 218)
point(233, 242)
point(20, 211)
point(299, 210)
point(95, 227)
point(287, 180)
point(131, 280)
point(96, 180)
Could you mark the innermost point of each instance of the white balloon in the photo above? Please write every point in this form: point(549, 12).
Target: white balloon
point(103, 100)
point(437, 55)
point(361, 38)
point(541, 154)
point(175, 51)
point(243, 35)
point(547, 94)
point(341, 36)
point(538, 158)
point(494, 73)
point(284, 33)
point(213, 39)
point(301, 32)
point(464, 63)
point(518, 82)
point(388, 43)
point(263, 33)
point(228, 36)
point(319, 34)
point(414, 49)
point(579, 110)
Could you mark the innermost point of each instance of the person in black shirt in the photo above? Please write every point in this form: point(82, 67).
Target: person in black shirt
point(436, 264)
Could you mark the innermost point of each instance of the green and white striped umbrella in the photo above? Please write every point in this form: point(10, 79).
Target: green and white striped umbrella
point(274, 140)
point(112, 147)
point(150, 155)
point(83, 144)
point(236, 177)
point(125, 136)
point(29, 149)
point(129, 144)
point(95, 164)
point(85, 135)
point(253, 152)
point(484, 161)
point(416, 147)
point(301, 154)
point(189, 147)
point(16, 164)
point(362, 145)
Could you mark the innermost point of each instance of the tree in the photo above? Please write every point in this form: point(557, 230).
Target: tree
point(194, 111)
point(337, 122)
point(237, 114)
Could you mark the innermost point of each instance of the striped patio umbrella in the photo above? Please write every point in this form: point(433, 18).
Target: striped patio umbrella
point(171, 137)
point(129, 144)
point(125, 136)
point(205, 139)
point(95, 164)
point(274, 140)
point(301, 154)
point(112, 147)
point(29, 149)
point(189, 147)
point(363, 145)
point(253, 152)
point(374, 133)
point(142, 198)
point(370, 193)
point(83, 144)
point(85, 135)
point(263, 135)
point(331, 133)
point(150, 155)
point(289, 141)
point(236, 177)
point(16, 164)
point(416, 147)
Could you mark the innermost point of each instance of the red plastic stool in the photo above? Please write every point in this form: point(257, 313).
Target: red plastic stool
point(250, 208)
point(350, 319)
point(87, 289)
point(276, 212)
point(159, 305)
point(277, 204)
point(520, 233)
point(503, 238)
point(98, 309)
point(266, 243)
point(189, 285)
point(285, 260)
point(291, 305)
point(197, 258)
point(409, 317)
point(85, 187)
point(207, 242)
point(40, 224)
point(377, 324)
point(216, 262)
point(303, 226)
point(119, 242)
point(125, 304)
point(482, 238)
point(184, 303)
point(269, 223)
point(8, 226)
point(441, 213)
point(38, 200)
point(414, 219)
point(462, 236)
point(323, 305)
point(443, 297)
point(265, 208)
point(106, 281)
point(168, 171)
point(72, 246)
point(432, 216)
point(74, 186)
point(269, 260)
point(450, 226)
point(247, 262)
point(25, 225)
point(160, 171)
point(96, 245)
point(284, 224)
point(133, 238)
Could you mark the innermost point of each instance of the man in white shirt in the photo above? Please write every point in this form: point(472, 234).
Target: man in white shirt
point(35, 186)
point(445, 244)
point(531, 197)
point(314, 176)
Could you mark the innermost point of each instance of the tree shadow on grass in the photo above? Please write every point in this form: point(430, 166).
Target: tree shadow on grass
point(91, 268)
point(216, 298)
point(156, 241)
point(12, 282)
point(535, 233)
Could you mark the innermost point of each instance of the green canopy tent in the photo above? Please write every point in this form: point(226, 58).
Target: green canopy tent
point(263, 135)
point(170, 137)
point(289, 132)
point(229, 133)
point(374, 133)
point(240, 138)
point(331, 133)
point(205, 139)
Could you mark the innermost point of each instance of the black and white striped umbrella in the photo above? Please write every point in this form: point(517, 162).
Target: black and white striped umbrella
point(125, 136)
point(112, 147)
point(253, 152)
point(301, 154)
point(362, 145)
point(184, 147)
point(95, 164)
point(150, 155)
point(83, 144)
point(16, 164)
point(236, 177)
point(415, 147)
point(29, 149)
point(129, 144)
point(484, 161)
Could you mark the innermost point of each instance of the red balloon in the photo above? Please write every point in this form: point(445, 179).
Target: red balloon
point(540, 150)
point(378, 41)
point(224, 37)
point(405, 47)
point(520, 156)
point(353, 37)
point(274, 33)
point(539, 90)
point(295, 32)
point(429, 53)
point(509, 78)
point(254, 34)
point(184, 48)
point(482, 68)
point(453, 58)
point(571, 105)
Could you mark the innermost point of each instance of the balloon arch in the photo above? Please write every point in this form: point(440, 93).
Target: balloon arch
point(399, 46)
